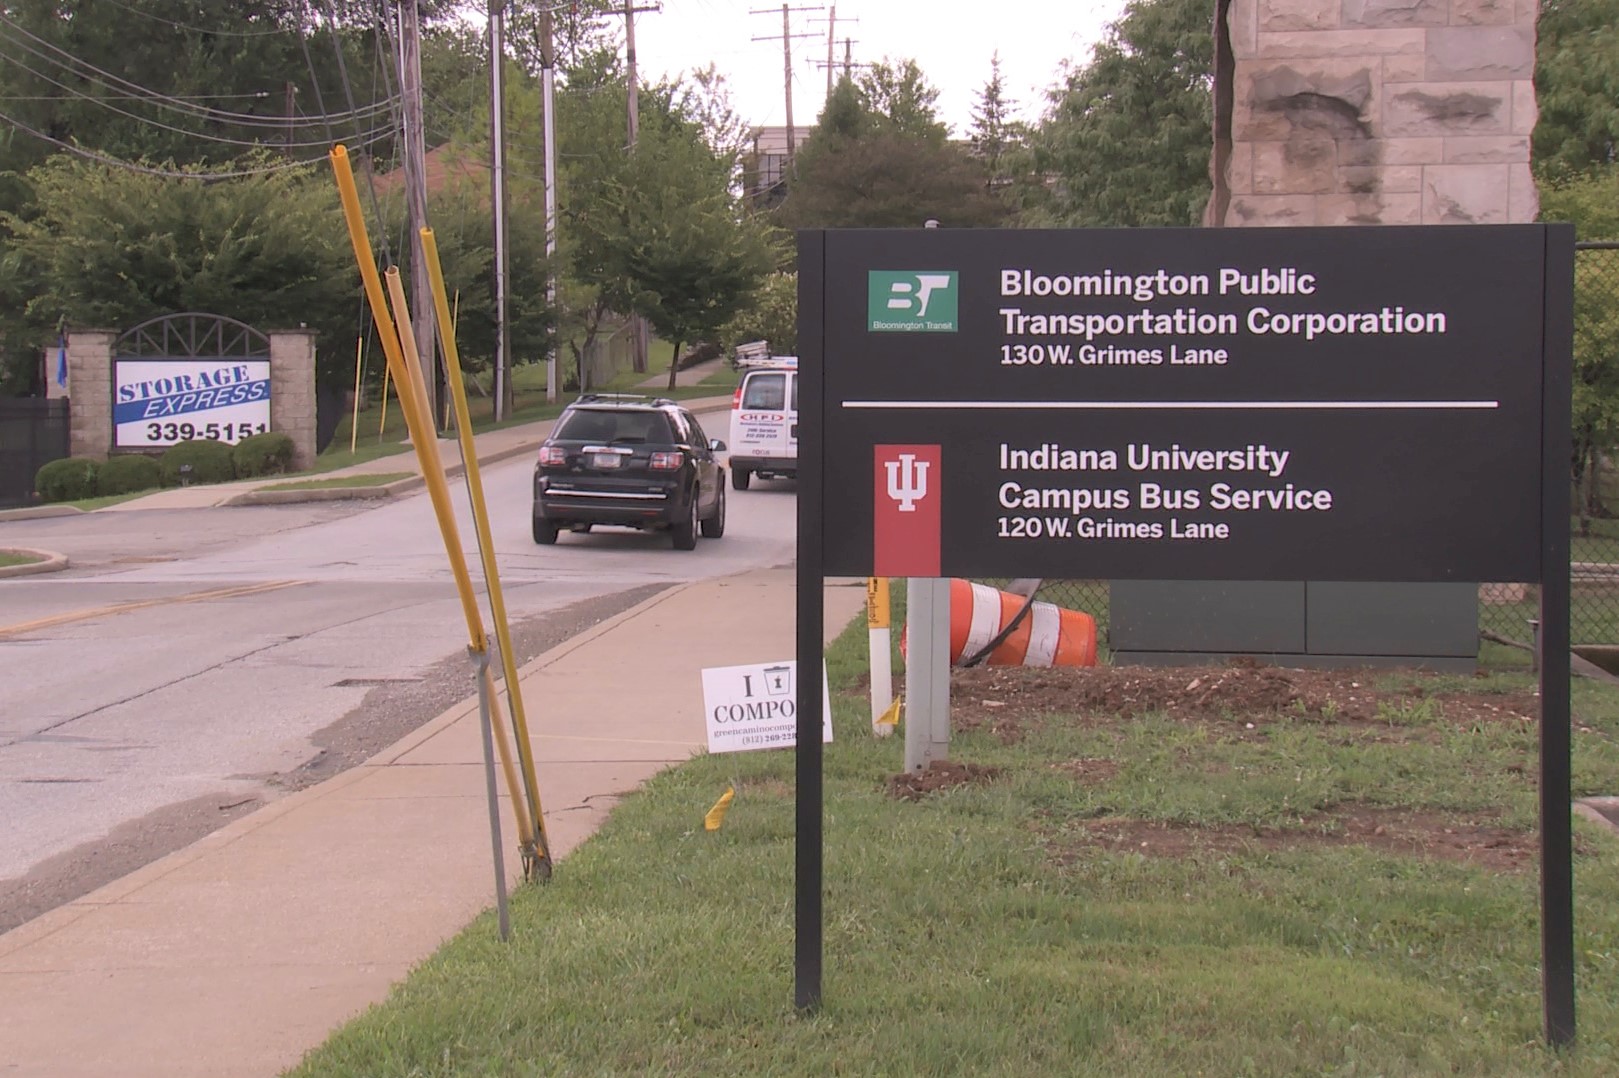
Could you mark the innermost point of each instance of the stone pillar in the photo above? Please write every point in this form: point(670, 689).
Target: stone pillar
point(1364, 112)
point(89, 386)
point(292, 391)
point(1352, 112)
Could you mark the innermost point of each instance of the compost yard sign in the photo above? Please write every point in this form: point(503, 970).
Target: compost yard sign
point(1330, 404)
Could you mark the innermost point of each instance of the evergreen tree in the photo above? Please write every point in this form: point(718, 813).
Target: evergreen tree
point(1577, 86)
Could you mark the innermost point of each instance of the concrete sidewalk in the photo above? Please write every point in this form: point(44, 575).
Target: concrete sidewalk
point(237, 955)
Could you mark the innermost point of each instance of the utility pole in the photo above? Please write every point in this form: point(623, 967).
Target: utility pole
point(421, 299)
point(497, 202)
point(831, 32)
point(831, 39)
point(637, 323)
point(292, 111)
point(548, 62)
point(830, 64)
point(634, 83)
point(787, 36)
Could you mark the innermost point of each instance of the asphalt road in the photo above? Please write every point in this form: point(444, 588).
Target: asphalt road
point(194, 664)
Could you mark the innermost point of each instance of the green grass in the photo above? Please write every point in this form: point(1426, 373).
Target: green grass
point(9, 558)
point(377, 480)
point(980, 932)
point(105, 500)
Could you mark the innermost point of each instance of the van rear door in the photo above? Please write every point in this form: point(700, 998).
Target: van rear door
point(763, 425)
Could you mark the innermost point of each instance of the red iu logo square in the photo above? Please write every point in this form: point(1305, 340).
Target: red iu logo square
point(905, 532)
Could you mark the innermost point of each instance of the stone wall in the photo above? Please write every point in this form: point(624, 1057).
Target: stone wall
point(90, 374)
point(292, 391)
point(89, 386)
point(1339, 112)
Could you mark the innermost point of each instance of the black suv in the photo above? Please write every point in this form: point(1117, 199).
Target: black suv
point(638, 462)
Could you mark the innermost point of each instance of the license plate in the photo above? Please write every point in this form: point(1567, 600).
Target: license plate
point(606, 460)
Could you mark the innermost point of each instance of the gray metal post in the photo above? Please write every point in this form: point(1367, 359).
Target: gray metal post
point(927, 672)
point(480, 664)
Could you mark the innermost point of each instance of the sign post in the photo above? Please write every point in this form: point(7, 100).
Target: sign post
point(1385, 404)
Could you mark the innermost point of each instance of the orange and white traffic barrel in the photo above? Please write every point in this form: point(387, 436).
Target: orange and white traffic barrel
point(1048, 635)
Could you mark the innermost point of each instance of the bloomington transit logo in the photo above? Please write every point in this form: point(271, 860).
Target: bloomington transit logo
point(911, 301)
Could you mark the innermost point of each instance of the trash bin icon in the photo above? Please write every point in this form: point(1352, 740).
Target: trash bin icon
point(778, 680)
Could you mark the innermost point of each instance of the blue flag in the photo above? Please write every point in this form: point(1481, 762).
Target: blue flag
point(61, 359)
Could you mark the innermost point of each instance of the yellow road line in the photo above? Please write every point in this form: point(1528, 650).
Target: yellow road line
point(143, 604)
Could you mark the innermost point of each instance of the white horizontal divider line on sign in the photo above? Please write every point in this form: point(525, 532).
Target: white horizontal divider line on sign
point(1104, 406)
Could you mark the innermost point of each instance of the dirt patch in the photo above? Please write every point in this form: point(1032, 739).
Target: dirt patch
point(1397, 831)
point(1089, 770)
point(939, 775)
point(1007, 702)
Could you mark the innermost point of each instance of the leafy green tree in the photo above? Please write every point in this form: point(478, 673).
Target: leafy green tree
point(109, 247)
point(1577, 86)
point(771, 316)
point(1127, 137)
point(860, 169)
point(899, 96)
point(1591, 202)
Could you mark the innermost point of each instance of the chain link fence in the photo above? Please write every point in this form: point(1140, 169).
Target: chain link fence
point(1509, 610)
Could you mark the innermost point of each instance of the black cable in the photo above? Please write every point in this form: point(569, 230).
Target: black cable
point(104, 103)
point(131, 166)
point(196, 29)
point(154, 97)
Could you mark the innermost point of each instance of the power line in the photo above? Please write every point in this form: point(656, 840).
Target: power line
point(154, 97)
point(106, 104)
point(115, 162)
point(198, 29)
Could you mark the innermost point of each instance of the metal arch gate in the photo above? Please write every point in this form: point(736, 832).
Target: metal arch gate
point(198, 337)
point(192, 335)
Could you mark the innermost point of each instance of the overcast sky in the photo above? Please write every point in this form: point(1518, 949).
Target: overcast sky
point(951, 40)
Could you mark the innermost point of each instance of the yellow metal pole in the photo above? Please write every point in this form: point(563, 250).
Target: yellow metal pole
point(425, 442)
point(426, 447)
point(480, 520)
point(387, 376)
point(354, 423)
point(513, 786)
point(426, 439)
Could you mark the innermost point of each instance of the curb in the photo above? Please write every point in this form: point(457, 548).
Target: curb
point(39, 512)
point(50, 562)
point(271, 496)
point(1591, 808)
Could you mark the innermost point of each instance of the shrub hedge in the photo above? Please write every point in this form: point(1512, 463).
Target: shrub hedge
point(209, 460)
point(262, 454)
point(128, 473)
point(67, 480)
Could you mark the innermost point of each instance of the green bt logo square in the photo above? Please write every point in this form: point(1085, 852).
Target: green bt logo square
point(911, 301)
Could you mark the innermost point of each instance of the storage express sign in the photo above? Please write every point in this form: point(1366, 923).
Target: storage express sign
point(165, 401)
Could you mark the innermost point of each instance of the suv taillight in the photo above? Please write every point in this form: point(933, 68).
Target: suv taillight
point(667, 462)
point(553, 456)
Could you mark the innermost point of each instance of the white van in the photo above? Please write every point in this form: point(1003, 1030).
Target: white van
point(764, 420)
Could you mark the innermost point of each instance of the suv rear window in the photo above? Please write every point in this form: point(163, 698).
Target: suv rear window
point(615, 425)
point(765, 393)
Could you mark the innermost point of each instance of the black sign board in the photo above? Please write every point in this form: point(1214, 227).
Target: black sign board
point(1283, 404)
point(1259, 404)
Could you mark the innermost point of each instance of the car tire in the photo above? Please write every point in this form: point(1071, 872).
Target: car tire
point(545, 532)
point(740, 477)
point(714, 526)
point(685, 532)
